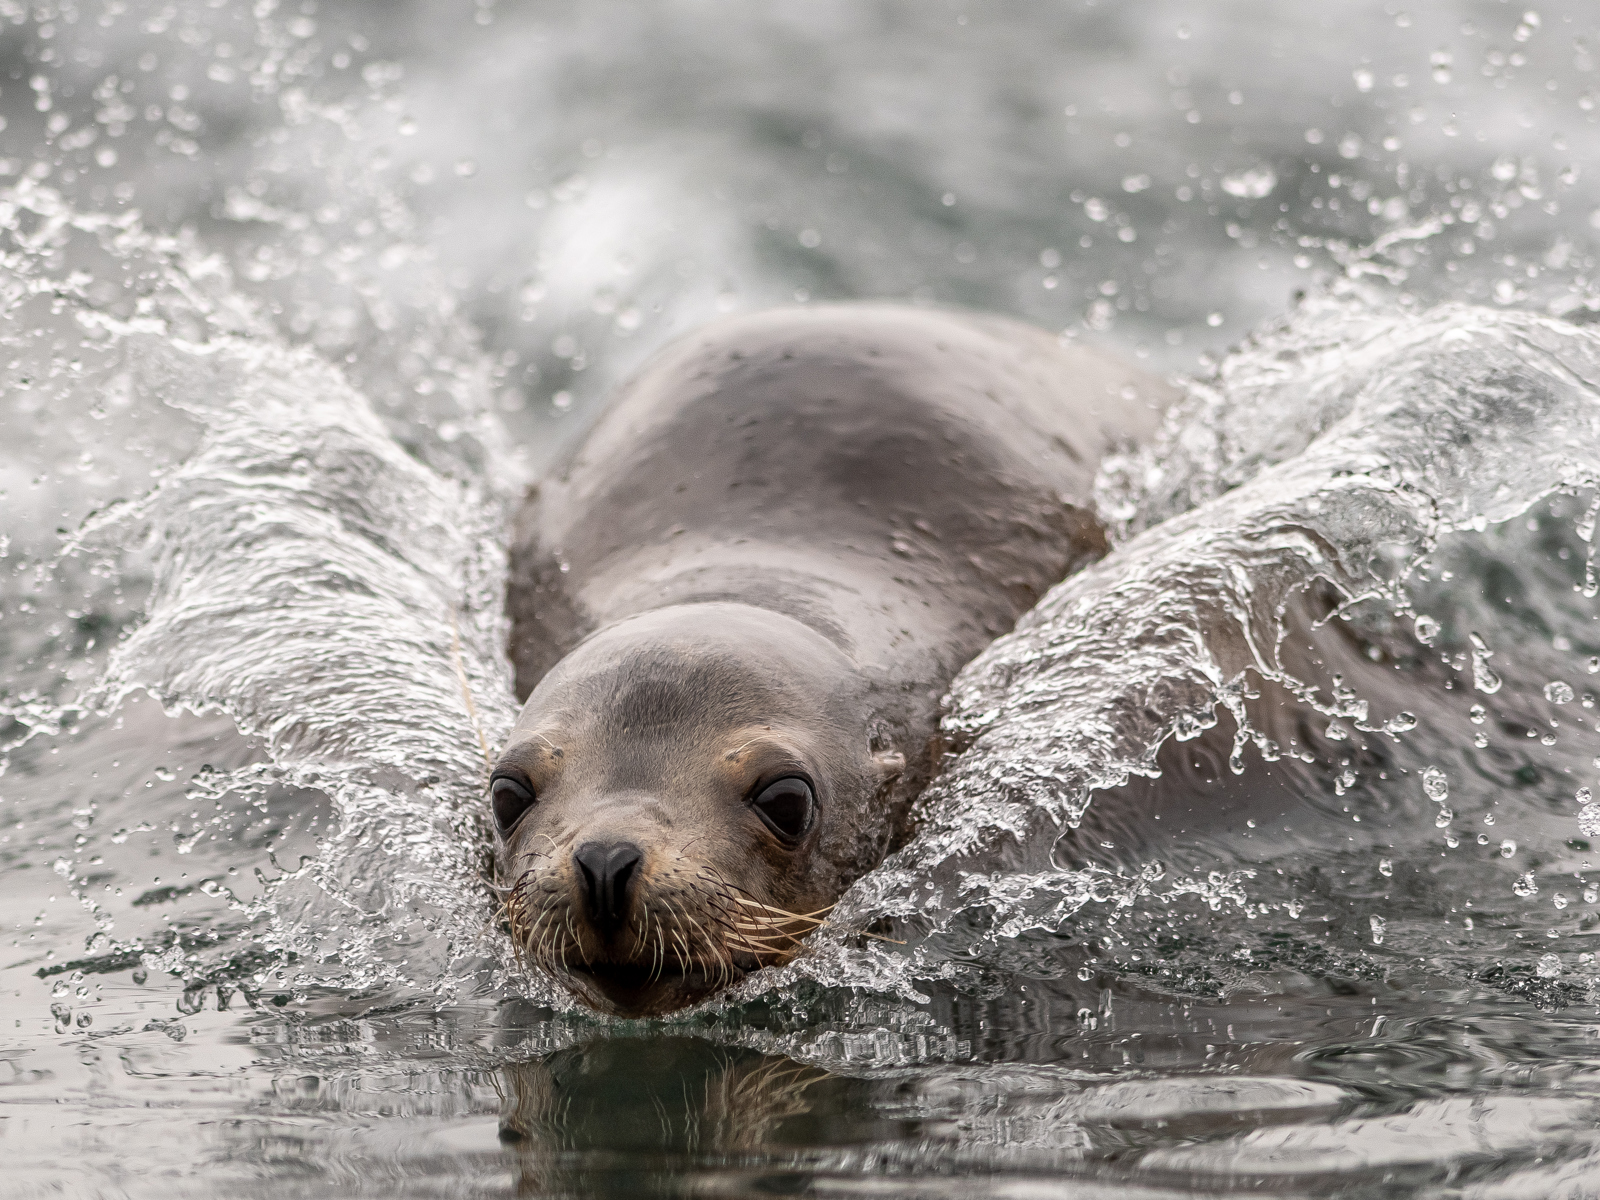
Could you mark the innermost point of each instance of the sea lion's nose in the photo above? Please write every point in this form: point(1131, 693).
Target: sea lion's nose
point(606, 869)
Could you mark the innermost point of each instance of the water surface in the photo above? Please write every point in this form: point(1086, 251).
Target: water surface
point(297, 298)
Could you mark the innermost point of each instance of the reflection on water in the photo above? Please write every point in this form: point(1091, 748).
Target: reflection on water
point(292, 299)
point(1317, 1088)
point(648, 1106)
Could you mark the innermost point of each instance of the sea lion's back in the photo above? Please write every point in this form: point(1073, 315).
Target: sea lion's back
point(966, 444)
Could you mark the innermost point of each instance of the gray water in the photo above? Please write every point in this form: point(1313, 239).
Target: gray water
point(297, 298)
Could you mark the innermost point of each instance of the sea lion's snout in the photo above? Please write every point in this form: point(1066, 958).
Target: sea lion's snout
point(606, 872)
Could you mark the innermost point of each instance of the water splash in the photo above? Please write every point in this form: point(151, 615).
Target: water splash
point(1341, 446)
point(336, 598)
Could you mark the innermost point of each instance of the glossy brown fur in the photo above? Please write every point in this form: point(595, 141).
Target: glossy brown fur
point(772, 553)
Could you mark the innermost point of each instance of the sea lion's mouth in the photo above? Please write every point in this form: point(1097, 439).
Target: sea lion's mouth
point(645, 989)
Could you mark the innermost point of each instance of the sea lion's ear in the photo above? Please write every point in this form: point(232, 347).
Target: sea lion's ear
point(890, 764)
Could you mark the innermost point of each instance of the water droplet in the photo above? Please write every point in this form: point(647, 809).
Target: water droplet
point(1483, 678)
point(1549, 967)
point(1253, 182)
point(1559, 900)
point(1525, 886)
point(1583, 795)
point(1435, 784)
point(1589, 820)
point(1558, 691)
point(1385, 867)
point(1477, 713)
point(1426, 629)
point(1402, 722)
point(1378, 926)
point(1507, 848)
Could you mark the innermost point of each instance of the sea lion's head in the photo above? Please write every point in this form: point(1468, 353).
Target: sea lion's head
point(683, 798)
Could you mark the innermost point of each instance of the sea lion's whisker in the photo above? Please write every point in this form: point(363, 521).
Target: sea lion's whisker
point(567, 942)
point(749, 901)
point(716, 946)
point(644, 937)
point(751, 947)
point(517, 918)
point(658, 959)
point(738, 895)
point(711, 943)
point(540, 936)
point(772, 908)
point(772, 937)
point(762, 949)
point(752, 941)
point(553, 843)
point(769, 926)
point(528, 941)
point(678, 932)
point(669, 926)
point(876, 937)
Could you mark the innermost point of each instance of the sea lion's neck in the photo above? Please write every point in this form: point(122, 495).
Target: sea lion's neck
point(890, 614)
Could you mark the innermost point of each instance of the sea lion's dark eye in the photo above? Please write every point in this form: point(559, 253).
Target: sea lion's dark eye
point(510, 798)
point(787, 807)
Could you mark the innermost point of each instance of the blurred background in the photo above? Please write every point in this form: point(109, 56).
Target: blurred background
point(577, 182)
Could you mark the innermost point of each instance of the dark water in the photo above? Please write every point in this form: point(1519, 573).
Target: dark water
point(296, 299)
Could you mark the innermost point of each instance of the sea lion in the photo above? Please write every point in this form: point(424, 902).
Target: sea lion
point(736, 606)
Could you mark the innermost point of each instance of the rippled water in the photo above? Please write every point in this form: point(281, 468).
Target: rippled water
point(298, 297)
